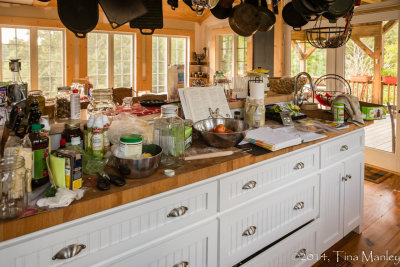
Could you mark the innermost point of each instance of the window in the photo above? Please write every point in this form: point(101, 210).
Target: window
point(241, 56)
point(232, 55)
point(123, 55)
point(167, 51)
point(15, 44)
point(50, 61)
point(97, 53)
point(305, 57)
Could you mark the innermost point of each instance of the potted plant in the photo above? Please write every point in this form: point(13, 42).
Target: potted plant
point(389, 76)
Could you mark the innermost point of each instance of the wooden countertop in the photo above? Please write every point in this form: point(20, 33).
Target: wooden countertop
point(270, 99)
point(96, 201)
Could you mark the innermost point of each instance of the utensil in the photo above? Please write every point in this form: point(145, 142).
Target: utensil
point(339, 9)
point(139, 168)
point(119, 12)
point(150, 21)
point(292, 17)
point(78, 16)
point(223, 9)
point(267, 17)
point(201, 5)
point(214, 155)
point(222, 140)
point(244, 19)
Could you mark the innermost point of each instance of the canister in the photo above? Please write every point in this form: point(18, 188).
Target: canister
point(131, 145)
point(338, 112)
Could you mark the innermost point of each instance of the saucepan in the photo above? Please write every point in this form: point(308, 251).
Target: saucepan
point(223, 9)
point(292, 17)
point(245, 19)
point(267, 17)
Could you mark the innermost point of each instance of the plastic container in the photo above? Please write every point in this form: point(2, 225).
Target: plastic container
point(169, 134)
point(97, 138)
point(73, 134)
point(101, 102)
point(13, 183)
point(130, 145)
point(75, 100)
point(40, 150)
point(63, 103)
point(106, 126)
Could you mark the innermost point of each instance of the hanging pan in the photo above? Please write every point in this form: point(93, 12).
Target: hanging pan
point(267, 17)
point(292, 17)
point(244, 19)
point(150, 21)
point(119, 12)
point(78, 16)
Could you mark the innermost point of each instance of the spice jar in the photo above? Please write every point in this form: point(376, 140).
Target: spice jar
point(63, 103)
point(13, 184)
point(36, 95)
point(50, 108)
point(131, 145)
point(101, 101)
point(72, 134)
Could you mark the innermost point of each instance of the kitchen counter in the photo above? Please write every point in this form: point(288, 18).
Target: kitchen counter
point(96, 201)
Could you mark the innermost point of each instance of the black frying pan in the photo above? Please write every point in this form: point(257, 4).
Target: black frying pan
point(292, 17)
point(78, 16)
point(339, 9)
point(119, 12)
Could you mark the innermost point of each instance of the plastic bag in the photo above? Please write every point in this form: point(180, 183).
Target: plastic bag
point(128, 124)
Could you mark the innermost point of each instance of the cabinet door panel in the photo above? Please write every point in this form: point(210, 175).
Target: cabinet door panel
point(331, 208)
point(353, 193)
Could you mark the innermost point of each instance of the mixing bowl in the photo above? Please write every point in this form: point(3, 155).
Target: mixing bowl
point(139, 168)
point(222, 140)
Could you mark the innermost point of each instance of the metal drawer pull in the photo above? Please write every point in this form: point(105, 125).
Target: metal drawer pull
point(344, 148)
point(181, 264)
point(299, 205)
point(348, 176)
point(299, 166)
point(301, 253)
point(249, 185)
point(344, 179)
point(178, 211)
point(69, 252)
point(250, 231)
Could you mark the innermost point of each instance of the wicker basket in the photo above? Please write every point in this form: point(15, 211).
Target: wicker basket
point(285, 85)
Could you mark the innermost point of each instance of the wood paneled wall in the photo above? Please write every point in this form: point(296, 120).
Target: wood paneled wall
point(73, 61)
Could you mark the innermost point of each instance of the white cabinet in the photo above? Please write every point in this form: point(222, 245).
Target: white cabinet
point(341, 200)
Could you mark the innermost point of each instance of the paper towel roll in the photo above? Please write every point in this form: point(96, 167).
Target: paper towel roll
point(256, 90)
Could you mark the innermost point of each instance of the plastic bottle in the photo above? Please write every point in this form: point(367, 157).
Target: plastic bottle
point(75, 105)
point(40, 150)
point(97, 139)
point(106, 126)
point(88, 135)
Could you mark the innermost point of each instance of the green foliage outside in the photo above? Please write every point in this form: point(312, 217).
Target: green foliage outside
point(315, 65)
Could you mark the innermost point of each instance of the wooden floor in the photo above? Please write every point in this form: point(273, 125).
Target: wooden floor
point(381, 227)
point(379, 135)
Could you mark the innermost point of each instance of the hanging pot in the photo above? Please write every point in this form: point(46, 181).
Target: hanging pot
point(223, 9)
point(339, 9)
point(244, 19)
point(311, 10)
point(150, 21)
point(292, 17)
point(119, 12)
point(267, 17)
point(78, 16)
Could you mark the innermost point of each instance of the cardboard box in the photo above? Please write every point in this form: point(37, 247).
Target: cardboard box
point(73, 167)
point(371, 111)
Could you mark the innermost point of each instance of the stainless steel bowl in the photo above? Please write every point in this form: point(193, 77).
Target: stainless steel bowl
point(139, 168)
point(222, 140)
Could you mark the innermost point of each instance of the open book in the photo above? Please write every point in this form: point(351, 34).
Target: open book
point(199, 102)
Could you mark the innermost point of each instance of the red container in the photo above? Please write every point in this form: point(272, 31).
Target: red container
point(389, 80)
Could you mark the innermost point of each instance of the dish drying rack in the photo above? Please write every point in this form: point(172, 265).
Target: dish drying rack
point(337, 82)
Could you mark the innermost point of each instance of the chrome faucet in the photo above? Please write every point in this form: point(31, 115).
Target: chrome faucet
point(298, 100)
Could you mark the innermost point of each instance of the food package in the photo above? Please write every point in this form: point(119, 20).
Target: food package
point(128, 124)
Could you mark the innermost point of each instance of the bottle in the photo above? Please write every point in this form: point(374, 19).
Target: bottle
point(63, 143)
point(169, 133)
point(236, 115)
point(88, 136)
point(40, 150)
point(97, 139)
point(46, 129)
point(75, 100)
point(106, 126)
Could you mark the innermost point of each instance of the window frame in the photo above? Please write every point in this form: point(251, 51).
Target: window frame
point(235, 47)
point(33, 84)
point(187, 57)
point(110, 67)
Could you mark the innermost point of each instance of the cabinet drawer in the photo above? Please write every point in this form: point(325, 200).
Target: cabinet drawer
point(342, 147)
point(196, 248)
point(107, 233)
point(298, 249)
point(266, 176)
point(245, 231)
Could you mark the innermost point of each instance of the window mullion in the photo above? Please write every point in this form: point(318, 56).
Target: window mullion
point(1, 57)
point(111, 60)
point(34, 61)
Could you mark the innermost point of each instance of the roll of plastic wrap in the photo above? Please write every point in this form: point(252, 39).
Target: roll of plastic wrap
point(256, 90)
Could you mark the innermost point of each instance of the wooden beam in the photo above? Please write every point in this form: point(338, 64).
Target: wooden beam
point(389, 25)
point(367, 30)
point(378, 59)
point(309, 52)
point(279, 51)
point(363, 46)
point(298, 49)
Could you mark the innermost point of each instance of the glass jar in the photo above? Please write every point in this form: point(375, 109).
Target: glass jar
point(13, 185)
point(127, 104)
point(50, 108)
point(101, 102)
point(63, 103)
point(169, 134)
point(36, 95)
point(73, 134)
